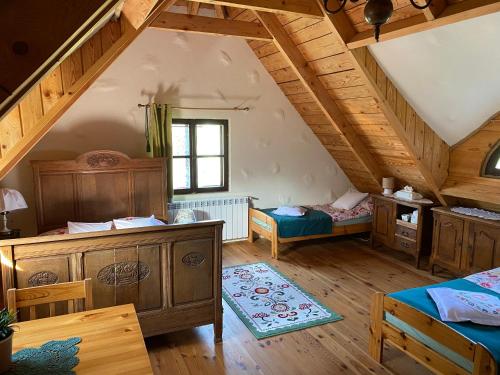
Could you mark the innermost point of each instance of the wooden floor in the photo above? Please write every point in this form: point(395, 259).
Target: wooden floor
point(342, 274)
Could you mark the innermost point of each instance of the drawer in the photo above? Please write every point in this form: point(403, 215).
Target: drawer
point(405, 245)
point(406, 232)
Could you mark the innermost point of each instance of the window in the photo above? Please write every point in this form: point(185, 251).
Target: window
point(199, 150)
point(491, 165)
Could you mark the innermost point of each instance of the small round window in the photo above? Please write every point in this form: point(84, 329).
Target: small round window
point(491, 165)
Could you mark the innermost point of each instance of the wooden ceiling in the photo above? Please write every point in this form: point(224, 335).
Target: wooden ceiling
point(321, 64)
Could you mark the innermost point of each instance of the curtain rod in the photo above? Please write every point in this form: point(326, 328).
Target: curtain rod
point(246, 109)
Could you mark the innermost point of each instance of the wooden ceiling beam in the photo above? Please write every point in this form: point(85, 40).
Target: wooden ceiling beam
point(193, 7)
point(320, 94)
point(38, 129)
point(219, 11)
point(453, 13)
point(210, 25)
point(305, 8)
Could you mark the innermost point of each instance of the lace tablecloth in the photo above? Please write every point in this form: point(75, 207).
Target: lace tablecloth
point(53, 357)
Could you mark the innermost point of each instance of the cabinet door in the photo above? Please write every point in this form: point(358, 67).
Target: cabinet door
point(447, 242)
point(383, 226)
point(483, 247)
point(192, 271)
point(125, 275)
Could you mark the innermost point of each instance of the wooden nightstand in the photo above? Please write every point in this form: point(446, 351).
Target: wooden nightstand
point(388, 228)
point(13, 233)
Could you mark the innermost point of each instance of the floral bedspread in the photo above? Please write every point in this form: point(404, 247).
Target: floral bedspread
point(487, 279)
point(364, 208)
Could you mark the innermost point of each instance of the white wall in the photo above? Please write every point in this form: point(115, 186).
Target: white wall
point(273, 154)
point(450, 75)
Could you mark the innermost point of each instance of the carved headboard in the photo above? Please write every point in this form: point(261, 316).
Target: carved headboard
point(98, 186)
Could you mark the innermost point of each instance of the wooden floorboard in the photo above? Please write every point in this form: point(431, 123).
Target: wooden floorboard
point(340, 273)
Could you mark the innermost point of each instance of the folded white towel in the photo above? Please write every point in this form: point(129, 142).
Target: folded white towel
point(290, 211)
point(462, 306)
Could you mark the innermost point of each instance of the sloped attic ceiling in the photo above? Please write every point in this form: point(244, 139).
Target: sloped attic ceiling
point(458, 85)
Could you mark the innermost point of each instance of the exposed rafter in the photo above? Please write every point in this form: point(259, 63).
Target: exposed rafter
point(193, 7)
point(219, 11)
point(306, 8)
point(453, 13)
point(36, 131)
point(210, 25)
point(320, 94)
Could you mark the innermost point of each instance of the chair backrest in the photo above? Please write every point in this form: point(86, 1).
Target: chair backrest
point(50, 294)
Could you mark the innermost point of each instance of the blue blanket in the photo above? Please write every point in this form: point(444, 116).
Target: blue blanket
point(313, 222)
point(418, 298)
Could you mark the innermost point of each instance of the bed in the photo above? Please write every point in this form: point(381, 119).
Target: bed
point(321, 221)
point(409, 320)
point(172, 273)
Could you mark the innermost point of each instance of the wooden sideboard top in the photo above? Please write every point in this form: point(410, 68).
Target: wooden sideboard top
point(415, 204)
point(109, 233)
point(449, 212)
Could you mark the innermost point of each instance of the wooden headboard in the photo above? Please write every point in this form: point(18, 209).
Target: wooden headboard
point(98, 186)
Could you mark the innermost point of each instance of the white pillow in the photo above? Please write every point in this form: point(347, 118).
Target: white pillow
point(349, 200)
point(462, 306)
point(290, 211)
point(136, 222)
point(75, 227)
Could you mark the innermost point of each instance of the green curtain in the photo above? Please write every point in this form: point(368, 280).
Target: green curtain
point(159, 138)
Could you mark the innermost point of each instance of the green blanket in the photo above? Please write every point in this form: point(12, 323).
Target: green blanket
point(312, 223)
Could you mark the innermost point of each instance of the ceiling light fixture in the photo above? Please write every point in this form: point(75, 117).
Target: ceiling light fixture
point(377, 12)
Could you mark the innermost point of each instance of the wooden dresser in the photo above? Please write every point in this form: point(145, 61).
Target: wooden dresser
point(172, 274)
point(388, 228)
point(464, 244)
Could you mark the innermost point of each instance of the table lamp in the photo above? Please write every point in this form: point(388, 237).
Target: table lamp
point(388, 185)
point(10, 200)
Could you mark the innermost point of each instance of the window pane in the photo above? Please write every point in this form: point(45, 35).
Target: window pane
point(209, 172)
point(209, 139)
point(498, 164)
point(182, 173)
point(180, 139)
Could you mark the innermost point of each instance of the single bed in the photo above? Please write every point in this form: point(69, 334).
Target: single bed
point(320, 221)
point(409, 320)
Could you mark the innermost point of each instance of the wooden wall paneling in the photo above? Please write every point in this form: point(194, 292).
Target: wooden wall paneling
point(465, 163)
point(52, 89)
point(110, 33)
point(36, 123)
point(31, 109)
point(91, 51)
point(308, 75)
point(403, 119)
point(71, 69)
point(10, 130)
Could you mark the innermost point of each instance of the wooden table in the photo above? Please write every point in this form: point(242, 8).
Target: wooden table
point(112, 341)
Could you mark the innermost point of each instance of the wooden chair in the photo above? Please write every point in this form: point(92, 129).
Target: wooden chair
point(50, 294)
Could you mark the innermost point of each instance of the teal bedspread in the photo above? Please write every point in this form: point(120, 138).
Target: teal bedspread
point(312, 223)
point(489, 336)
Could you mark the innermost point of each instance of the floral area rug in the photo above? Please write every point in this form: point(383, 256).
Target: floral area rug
point(270, 304)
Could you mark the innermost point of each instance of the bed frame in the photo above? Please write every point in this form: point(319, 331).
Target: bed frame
point(382, 331)
point(171, 273)
point(272, 235)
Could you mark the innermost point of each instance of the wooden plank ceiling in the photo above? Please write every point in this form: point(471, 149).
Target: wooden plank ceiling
point(341, 93)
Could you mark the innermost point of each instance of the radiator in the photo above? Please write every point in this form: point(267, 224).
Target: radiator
point(234, 211)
